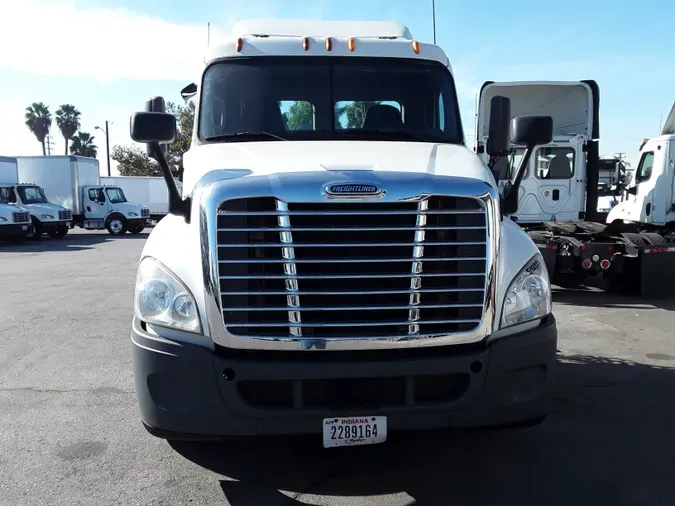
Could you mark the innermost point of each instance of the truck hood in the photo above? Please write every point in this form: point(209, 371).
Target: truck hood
point(47, 208)
point(573, 105)
point(126, 208)
point(6, 210)
point(271, 157)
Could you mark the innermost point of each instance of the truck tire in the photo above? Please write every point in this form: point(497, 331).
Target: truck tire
point(653, 239)
point(57, 232)
point(634, 239)
point(37, 229)
point(135, 228)
point(116, 224)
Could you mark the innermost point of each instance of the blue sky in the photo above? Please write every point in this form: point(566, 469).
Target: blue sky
point(102, 68)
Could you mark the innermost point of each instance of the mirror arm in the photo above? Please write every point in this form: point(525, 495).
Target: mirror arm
point(177, 205)
point(509, 206)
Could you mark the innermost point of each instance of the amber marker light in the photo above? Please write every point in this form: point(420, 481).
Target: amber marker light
point(351, 43)
point(305, 43)
point(329, 44)
point(240, 43)
point(416, 47)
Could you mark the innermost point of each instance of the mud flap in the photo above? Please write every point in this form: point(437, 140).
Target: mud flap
point(549, 252)
point(657, 271)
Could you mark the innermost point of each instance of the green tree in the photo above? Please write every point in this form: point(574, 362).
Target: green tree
point(300, 116)
point(353, 114)
point(68, 121)
point(132, 161)
point(185, 119)
point(39, 121)
point(83, 145)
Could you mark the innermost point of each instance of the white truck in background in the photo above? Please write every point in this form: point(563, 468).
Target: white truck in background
point(348, 277)
point(15, 221)
point(150, 192)
point(559, 190)
point(75, 183)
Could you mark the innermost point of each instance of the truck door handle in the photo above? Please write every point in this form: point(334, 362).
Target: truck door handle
point(556, 194)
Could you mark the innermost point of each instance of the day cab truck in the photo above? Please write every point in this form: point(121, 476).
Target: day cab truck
point(148, 191)
point(45, 216)
point(560, 186)
point(74, 182)
point(340, 264)
point(15, 222)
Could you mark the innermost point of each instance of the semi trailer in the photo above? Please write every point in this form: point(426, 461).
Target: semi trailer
point(339, 264)
point(15, 221)
point(560, 187)
point(74, 182)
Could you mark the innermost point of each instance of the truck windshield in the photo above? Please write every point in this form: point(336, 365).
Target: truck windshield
point(115, 195)
point(337, 98)
point(32, 195)
point(7, 195)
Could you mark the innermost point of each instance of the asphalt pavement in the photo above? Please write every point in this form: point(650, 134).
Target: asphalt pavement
point(70, 431)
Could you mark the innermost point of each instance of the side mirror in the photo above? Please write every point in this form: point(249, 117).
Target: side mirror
point(500, 113)
point(531, 130)
point(149, 127)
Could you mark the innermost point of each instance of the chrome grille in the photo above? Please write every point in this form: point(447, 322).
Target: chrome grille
point(394, 270)
point(66, 215)
point(145, 213)
point(21, 217)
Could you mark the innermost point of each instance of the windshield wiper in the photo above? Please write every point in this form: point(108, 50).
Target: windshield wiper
point(253, 134)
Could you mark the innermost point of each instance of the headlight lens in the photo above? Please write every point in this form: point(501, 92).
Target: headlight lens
point(133, 214)
point(161, 298)
point(529, 295)
point(47, 217)
point(2, 219)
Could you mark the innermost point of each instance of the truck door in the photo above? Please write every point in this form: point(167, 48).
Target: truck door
point(642, 205)
point(555, 182)
point(95, 204)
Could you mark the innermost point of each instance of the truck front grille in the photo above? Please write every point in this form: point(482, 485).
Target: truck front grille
point(145, 213)
point(66, 215)
point(21, 217)
point(401, 270)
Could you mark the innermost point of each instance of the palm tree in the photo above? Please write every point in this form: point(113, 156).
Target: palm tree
point(83, 145)
point(68, 121)
point(39, 121)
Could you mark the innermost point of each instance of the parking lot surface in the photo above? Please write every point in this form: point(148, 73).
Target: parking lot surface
point(70, 431)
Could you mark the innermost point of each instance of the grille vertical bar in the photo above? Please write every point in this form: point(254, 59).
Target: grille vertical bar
point(290, 269)
point(417, 267)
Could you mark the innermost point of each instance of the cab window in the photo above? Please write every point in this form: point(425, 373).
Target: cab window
point(554, 163)
point(644, 170)
point(96, 195)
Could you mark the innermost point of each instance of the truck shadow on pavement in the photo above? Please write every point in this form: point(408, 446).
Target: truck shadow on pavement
point(608, 440)
point(69, 243)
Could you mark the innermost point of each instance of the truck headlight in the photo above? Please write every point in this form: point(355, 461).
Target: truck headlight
point(2, 220)
point(529, 295)
point(132, 214)
point(162, 299)
point(47, 217)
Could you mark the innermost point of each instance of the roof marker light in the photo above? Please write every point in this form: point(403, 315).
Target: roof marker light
point(329, 44)
point(240, 43)
point(351, 43)
point(305, 43)
point(416, 47)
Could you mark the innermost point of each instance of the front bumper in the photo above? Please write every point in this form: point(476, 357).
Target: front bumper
point(188, 391)
point(55, 225)
point(16, 229)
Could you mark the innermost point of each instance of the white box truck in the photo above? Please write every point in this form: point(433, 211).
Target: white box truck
point(15, 221)
point(74, 182)
point(340, 263)
point(150, 192)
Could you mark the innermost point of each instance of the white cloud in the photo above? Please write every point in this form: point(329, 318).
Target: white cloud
point(106, 43)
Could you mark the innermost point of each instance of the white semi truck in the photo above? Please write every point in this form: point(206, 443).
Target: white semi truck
point(75, 183)
point(46, 217)
point(559, 191)
point(339, 264)
point(15, 222)
point(150, 192)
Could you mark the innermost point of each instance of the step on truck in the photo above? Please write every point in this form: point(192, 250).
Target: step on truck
point(15, 220)
point(558, 191)
point(340, 264)
point(74, 182)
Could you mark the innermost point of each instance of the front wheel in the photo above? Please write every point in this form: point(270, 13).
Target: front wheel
point(57, 232)
point(116, 225)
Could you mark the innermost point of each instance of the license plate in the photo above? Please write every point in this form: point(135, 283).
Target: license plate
point(25, 227)
point(354, 431)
